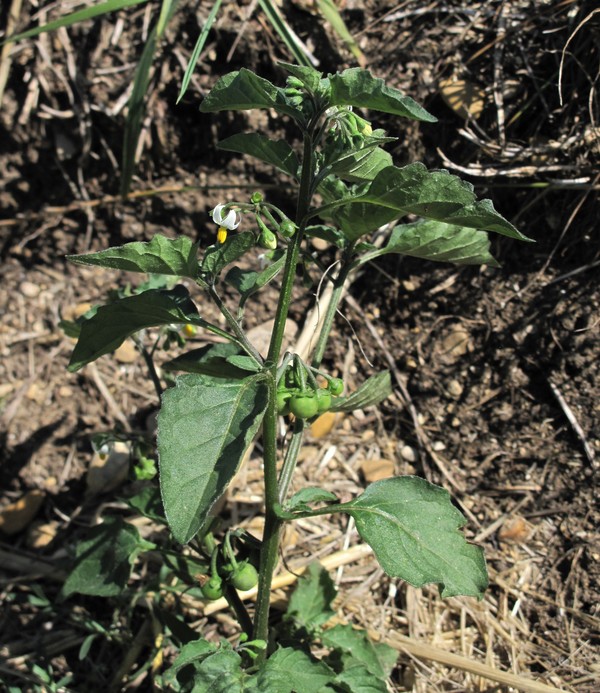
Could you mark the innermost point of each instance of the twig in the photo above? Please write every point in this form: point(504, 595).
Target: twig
point(564, 51)
point(5, 61)
point(436, 654)
point(568, 412)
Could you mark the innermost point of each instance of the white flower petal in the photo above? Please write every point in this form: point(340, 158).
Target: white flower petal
point(229, 221)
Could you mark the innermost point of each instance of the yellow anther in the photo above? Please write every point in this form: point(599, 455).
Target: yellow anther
point(221, 234)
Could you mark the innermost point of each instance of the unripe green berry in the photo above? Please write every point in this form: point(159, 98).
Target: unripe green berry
point(287, 228)
point(213, 589)
point(245, 577)
point(304, 406)
point(323, 400)
point(335, 386)
point(283, 405)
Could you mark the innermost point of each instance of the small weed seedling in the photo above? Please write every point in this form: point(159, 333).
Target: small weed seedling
point(347, 187)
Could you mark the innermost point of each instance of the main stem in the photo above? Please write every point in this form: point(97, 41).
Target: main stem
point(270, 544)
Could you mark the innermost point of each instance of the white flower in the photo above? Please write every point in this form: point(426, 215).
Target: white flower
point(226, 222)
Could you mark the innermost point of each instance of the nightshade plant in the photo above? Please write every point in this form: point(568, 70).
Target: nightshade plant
point(347, 187)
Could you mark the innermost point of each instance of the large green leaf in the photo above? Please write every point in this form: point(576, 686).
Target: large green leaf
point(362, 165)
point(242, 90)
point(277, 153)
point(203, 432)
point(103, 560)
point(378, 658)
point(310, 604)
point(373, 391)
point(113, 323)
point(293, 671)
point(358, 87)
point(355, 677)
point(435, 240)
point(414, 190)
point(162, 255)
point(310, 77)
point(412, 527)
point(220, 672)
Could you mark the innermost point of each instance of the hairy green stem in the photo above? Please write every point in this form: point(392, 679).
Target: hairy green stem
point(235, 326)
point(290, 459)
point(270, 546)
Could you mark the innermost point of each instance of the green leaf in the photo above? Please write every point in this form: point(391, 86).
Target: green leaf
point(190, 654)
point(276, 153)
point(300, 501)
point(147, 502)
point(356, 678)
point(310, 77)
point(203, 432)
point(162, 255)
point(378, 658)
point(112, 324)
point(104, 559)
point(364, 164)
point(248, 282)
point(437, 241)
point(414, 190)
point(217, 257)
point(210, 360)
point(198, 48)
point(358, 87)
point(293, 671)
point(412, 527)
point(310, 604)
point(242, 90)
point(327, 233)
point(75, 18)
point(220, 672)
point(373, 391)
point(244, 363)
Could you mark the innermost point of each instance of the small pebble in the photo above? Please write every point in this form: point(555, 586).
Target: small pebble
point(455, 389)
point(409, 454)
point(29, 289)
point(438, 446)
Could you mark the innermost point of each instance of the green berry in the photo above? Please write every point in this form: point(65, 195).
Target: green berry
point(267, 239)
point(287, 228)
point(283, 399)
point(213, 589)
point(323, 400)
point(335, 386)
point(245, 577)
point(304, 406)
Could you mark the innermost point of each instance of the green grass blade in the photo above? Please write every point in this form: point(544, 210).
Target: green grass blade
point(75, 17)
point(333, 16)
point(136, 105)
point(135, 113)
point(198, 49)
point(287, 34)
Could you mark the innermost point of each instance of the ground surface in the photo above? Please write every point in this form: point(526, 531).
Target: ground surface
point(500, 365)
